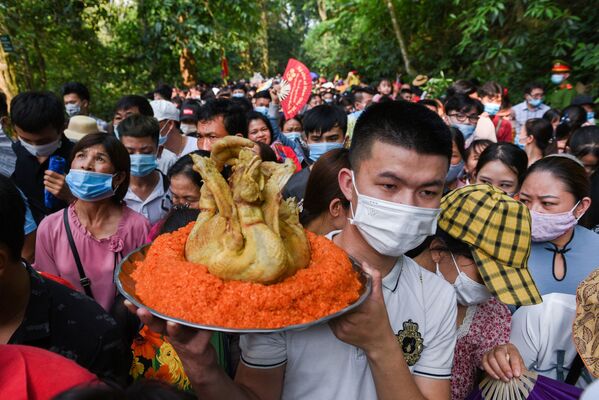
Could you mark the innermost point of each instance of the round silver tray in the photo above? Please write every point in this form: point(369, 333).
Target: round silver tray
point(126, 285)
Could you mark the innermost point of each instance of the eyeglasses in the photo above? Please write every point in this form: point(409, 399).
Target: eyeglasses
point(536, 95)
point(461, 117)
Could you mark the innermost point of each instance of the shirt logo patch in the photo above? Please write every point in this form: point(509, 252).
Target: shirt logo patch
point(410, 341)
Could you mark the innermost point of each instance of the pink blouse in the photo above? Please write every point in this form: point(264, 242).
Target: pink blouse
point(485, 326)
point(99, 257)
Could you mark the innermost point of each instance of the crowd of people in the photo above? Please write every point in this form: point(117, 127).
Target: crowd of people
point(476, 219)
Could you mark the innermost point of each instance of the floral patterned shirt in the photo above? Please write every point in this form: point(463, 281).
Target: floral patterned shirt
point(485, 326)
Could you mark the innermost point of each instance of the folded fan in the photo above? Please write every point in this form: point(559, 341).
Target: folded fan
point(530, 386)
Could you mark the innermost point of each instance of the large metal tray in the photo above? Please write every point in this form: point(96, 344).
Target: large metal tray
point(126, 285)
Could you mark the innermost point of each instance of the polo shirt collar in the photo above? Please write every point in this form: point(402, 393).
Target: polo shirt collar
point(391, 281)
point(158, 192)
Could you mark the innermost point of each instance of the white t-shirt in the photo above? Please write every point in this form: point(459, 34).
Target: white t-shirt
point(166, 160)
point(155, 207)
point(190, 145)
point(320, 366)
point(543, 335)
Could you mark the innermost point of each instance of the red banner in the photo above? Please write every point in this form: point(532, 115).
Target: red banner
point(296, 87)
point(224, 67)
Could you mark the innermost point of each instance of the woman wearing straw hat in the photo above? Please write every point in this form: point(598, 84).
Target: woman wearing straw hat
point(481, 247)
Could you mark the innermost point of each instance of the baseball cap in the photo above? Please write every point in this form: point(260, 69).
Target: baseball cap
point(189, 112)
point(164, 109)
point(497, 229)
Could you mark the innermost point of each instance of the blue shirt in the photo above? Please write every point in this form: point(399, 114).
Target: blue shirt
point(30, 224)
point(522, 113)
point(581, 257)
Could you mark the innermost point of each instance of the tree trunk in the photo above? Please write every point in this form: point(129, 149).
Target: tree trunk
point(8, 81)
point(399, 37)
point(187, 67)
point(264, 39)
point(322, 9)
point(41, 64)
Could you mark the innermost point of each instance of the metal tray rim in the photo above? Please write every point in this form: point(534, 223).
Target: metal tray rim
point(367, 280)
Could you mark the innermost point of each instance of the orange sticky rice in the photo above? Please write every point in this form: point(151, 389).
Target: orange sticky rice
point(169, 284)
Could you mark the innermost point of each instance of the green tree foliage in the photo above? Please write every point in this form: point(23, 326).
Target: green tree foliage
point(512, 41)
point(119, 47)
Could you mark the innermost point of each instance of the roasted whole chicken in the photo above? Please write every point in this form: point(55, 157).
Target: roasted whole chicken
point(245, 231)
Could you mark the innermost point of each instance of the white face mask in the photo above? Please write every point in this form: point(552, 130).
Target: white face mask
point(468, 291)
point(42, 150)
point(392, 228)
point(188, 128)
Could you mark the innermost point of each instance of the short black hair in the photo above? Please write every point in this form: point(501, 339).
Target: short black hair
point(240, 86)
point(364, 89)
point(461, 87)
point(572, 118)
point(140, 126)
point(533, 85)
point(509, 154)
point(178, 218)
point(429, 102)
point(263, 94)
point(359, 92)
point(3, 105)
point(323, 118)
point(132, 100)
point(35, 111)
point(233, 115)
point(400, 123)
point(184, 166)
point(119, 157)
point(75, 87)
point(490, 89)
point(12, 214)
point(164, 90)
point(463, 103)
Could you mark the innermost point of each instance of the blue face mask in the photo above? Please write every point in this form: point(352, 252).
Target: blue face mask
point(143, 164)
point(262, 110)
point(163, 138)
point(535, 102)
point(238, 95)
point(491, 108)
point(89, 185)
point(466, 129)
point(557, 79)
point(454, 172)
point(590, 115)
point(293, 135)
point(318, 149)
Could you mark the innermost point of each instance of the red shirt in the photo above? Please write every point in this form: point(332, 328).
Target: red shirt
point(503, 130)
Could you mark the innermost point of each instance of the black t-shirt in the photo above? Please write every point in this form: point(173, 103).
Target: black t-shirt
point(71, 324)
point(29, 177)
